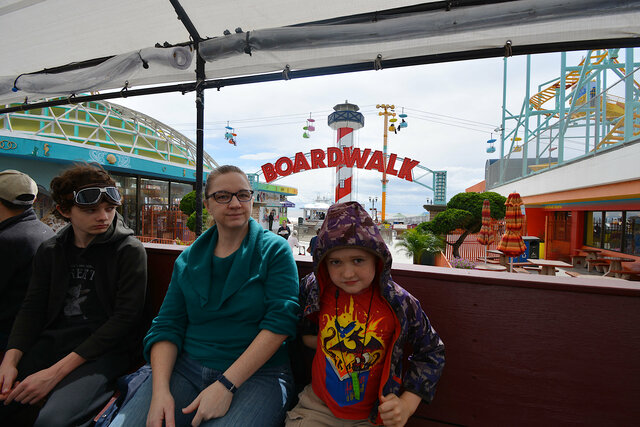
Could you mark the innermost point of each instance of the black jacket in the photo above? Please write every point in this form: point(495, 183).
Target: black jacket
point(121, 277)
point(20, 237)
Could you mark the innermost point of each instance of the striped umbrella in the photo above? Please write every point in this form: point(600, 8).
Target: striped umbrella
point(511, 243)
point(485, 236)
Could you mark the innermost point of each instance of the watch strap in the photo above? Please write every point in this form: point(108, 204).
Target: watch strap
point(226, 383)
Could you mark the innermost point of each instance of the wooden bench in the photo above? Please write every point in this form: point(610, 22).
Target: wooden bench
point(594, 264)
point(573, 273)
point(489, 260)
point(529, 269)
point(621, 274)
point(521, 270)
point(579, 259)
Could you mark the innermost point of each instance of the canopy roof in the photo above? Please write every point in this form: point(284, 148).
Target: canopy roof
point(97, 46)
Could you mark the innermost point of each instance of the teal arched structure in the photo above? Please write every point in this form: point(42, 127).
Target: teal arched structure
point(118, 138)
point(153, 164)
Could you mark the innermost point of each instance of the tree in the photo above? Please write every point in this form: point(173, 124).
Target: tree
point(464, 211)
point(188, 206)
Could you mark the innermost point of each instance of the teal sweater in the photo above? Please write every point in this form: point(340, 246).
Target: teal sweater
point(215, 327)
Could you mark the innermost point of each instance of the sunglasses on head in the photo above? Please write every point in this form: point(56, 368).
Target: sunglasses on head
point(91, 195)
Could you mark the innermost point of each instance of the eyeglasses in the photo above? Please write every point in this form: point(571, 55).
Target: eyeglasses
point(91, 195)
point(224, 197)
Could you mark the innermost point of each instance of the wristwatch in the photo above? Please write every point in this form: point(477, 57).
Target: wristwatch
point(226, 383)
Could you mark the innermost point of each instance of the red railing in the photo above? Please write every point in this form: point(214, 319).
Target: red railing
point(149, 239)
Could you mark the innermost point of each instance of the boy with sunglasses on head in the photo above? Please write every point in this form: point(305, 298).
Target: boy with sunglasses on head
point(360, 323)
point(73, 335)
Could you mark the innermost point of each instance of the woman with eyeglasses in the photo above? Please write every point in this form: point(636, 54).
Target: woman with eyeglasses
point(75, 331)
point(217, 347)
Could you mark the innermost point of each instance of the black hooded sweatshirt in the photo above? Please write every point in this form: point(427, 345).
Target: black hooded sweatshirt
point(120, 263)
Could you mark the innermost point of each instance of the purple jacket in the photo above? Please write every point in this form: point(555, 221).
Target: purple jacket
point(349, 225)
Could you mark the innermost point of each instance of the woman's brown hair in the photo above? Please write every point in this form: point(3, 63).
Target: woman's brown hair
point(221, 170)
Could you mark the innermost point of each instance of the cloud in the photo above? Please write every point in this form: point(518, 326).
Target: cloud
point(453, 109)
point(258, 156)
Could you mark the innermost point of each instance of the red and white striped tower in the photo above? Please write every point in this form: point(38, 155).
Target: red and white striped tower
point(345, 119)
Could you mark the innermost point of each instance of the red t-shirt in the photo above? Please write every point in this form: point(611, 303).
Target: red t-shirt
point(344, 350)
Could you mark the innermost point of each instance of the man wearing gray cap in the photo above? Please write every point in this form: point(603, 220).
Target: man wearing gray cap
point(21, 233)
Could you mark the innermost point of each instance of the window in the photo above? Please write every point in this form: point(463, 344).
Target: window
point(632, 233)
point(613, 230)
point(129, 209)
point(593, 229)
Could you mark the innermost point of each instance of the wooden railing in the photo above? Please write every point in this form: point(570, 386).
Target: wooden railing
point(521, 350)
point(470, 248)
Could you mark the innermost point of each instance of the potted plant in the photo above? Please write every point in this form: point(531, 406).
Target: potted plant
point(422, 246)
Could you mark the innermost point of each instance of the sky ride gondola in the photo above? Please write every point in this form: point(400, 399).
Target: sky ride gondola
point(309, 127)
point(491, 148)
point(230, 135)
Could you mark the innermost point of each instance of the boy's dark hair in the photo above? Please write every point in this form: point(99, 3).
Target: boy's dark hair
point(74, 178)
point(12, 206)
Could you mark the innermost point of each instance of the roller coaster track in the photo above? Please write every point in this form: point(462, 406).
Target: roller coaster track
point(571, 79)
point(615, 110)
point(616, 134)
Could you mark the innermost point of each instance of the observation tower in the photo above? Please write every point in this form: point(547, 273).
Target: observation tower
point(345, 119)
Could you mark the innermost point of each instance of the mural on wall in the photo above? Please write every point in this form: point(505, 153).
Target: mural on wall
point(112, 159)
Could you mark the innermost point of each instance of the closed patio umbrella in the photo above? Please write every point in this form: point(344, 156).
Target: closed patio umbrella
point(511, 243)
point(485, 236)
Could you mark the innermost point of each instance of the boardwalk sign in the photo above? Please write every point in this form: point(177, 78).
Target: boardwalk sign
point(336, 157)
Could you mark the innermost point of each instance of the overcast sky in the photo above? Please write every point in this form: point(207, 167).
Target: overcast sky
point(452, 110)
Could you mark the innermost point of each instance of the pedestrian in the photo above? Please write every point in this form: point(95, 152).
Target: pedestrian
point(294, 243)
point(312, 242)
point(271, 217)
point(20, 236)
point(284, 230)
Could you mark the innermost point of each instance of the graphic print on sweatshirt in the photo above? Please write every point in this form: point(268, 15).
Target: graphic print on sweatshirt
point(348, 352)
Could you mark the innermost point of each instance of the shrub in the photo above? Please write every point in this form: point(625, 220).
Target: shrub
point(462, 263)
point(415, 243)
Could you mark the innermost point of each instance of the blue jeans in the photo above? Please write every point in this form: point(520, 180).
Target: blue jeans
point(262, 400)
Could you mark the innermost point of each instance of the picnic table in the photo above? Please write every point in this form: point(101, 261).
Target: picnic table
point(490, 267)
point(615, 265)
point(502, 258)
point(548, 266)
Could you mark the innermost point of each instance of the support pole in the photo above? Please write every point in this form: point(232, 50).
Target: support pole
point(200, 86)
point(504, 111)
point(628, 95)
point(386, 113)
point(562, 108)
point(200, 76)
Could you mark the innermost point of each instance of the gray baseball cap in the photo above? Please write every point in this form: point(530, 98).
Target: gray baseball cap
point(17, 188)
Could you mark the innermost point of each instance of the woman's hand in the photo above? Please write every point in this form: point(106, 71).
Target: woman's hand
point(395, 411)
point(212, 402)
point(34, 388)
point(161, 408)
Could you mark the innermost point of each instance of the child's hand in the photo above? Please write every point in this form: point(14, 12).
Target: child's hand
point(395, 411)
point(3, 396)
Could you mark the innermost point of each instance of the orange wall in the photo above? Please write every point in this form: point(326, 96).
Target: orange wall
point(477, 188)
point(621, 190)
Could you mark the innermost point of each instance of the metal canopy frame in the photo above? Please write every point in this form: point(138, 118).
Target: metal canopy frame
point(201, 83)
